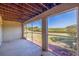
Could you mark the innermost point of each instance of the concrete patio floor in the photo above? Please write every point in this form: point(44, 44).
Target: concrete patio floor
point(21, 48)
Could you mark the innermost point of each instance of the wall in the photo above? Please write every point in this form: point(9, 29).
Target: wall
point(11, 30)
point(0, 30)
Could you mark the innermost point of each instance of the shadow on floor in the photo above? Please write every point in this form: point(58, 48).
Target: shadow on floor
point(60, 51)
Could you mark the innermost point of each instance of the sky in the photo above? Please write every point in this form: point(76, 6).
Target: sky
point(58, 21)
point(62, 20)
point(36, 23)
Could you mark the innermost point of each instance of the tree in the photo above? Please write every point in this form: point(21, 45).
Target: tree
point(71, 30)
point(29, 28)
point(36, 28)
point(53, 39)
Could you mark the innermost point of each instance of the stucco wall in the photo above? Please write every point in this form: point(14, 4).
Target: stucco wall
point(11, 30)
point(0, 30)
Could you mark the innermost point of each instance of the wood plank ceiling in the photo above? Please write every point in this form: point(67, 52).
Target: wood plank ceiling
point(23, 11)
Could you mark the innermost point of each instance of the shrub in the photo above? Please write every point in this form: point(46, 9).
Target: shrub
point(53, 39)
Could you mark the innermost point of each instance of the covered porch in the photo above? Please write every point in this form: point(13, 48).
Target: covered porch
point(19, 35)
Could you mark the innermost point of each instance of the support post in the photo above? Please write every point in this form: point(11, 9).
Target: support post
point(77, 14)
point(44, 35)
point(22, 26)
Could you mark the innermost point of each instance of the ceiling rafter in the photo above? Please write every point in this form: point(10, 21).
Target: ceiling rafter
point(18, 13)
point(10, 15)
point(10, 10)
point(33, 7)
point(9, 19)
point(44, 6)
point(23, 10)
point(14, 8)
point(24, 14)
point(27, 8)
point(7, 11)
point(36, 5)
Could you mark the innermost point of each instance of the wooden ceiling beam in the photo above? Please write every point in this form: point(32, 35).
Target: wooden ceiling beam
point(5, 11)
point(6, 17)
point(44, 6)
point(16, 11)
point(2, 11)
point(33, 7)
point(12, 8)
point(10, 15)
point(9, 10)
point(23, 11)
point(32, 11)
point(36, 6)
point(20, 9)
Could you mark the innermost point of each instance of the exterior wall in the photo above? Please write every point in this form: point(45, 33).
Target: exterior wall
point(0, 30)
point(11, 30)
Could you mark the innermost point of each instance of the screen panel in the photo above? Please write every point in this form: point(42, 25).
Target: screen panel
point(62, 29)
point(29, 31)
point(37, 32)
